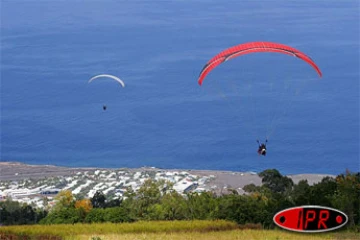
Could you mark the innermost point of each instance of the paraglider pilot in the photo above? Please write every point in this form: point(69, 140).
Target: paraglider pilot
point(262, 148)
point(104, 107)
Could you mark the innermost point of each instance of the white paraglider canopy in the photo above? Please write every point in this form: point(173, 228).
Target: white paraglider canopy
point(108, 76)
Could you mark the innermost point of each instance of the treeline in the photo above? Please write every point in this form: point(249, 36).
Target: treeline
point(157, 201)
point(15, 213)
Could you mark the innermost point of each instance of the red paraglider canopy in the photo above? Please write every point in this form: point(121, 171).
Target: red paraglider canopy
point(253, 47)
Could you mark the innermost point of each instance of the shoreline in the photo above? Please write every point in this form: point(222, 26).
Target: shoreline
point(13, 171)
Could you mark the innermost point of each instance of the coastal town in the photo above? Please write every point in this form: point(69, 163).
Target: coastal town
point(23, 184)
point(113, 183)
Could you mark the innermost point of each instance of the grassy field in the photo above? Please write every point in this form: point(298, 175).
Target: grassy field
point(161, 230)
point(224, 235)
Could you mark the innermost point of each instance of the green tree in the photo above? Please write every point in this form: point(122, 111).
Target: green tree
point(63, 216)
point(11, 212)
point(64, 199)
point(148, 194)
point(117, 215)
point(301, 193)
point(98, 200)
point(347, 196)
point(15, 213)
point(322, 193)
point(113, 203)
point(156, 212)
point(96, 215)
point(251, 188)
point(277, 183)
point(27, 215)
point(243, 209)
point(174, 206)
point(201, 206)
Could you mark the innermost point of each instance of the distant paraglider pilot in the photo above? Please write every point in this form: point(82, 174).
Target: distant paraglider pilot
point(122, 84)
point(262, 148)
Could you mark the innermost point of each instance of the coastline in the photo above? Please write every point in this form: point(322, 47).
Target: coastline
point(12, 171)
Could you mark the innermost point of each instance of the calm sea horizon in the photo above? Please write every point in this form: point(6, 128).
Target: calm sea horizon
point(50, 114)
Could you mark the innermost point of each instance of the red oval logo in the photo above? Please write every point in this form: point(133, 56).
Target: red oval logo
point(310, 219)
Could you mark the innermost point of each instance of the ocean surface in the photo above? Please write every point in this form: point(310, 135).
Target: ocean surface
point(50, 114)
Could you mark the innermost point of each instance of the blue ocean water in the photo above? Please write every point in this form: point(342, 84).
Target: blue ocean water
point(163, 118)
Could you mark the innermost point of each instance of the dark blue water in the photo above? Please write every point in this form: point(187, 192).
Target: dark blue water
point(162, 118)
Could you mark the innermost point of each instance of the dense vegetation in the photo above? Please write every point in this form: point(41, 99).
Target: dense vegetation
point(157, 201)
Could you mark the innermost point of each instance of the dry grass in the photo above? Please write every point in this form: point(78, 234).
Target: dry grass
point(66, 230)
point(160, 230)
point(224, 235)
